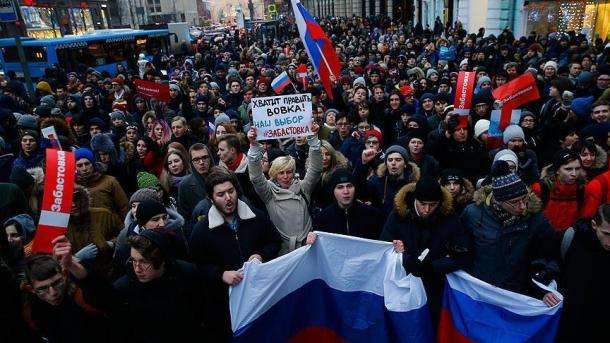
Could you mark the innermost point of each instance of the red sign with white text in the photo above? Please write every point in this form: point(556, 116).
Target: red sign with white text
point(518, 92)
point(152, 90)
point(463, 92)
point(57, 199)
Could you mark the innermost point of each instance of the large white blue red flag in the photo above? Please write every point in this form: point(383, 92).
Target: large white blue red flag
point(475, 311)
point(340, 289)
point(319, 48)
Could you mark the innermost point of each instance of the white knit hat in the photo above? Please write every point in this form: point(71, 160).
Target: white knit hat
point(480, 127)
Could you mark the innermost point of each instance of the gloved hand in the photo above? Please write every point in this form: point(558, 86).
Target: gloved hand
point(87, 253)
point(110, 244)
point(413, 265)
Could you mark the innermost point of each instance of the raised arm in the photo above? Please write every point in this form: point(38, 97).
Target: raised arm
point(255, 167)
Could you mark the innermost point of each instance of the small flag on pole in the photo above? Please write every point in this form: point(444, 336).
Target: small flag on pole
point(280, 82)
point(302, 73)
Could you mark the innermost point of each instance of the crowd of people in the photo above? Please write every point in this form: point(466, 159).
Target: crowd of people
point(171, 198)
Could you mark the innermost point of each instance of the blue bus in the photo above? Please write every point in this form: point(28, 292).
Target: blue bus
point(101, 50)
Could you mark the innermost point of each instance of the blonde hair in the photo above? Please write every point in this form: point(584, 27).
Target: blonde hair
point(281, 164)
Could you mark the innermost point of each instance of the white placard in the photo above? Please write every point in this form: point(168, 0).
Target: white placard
point(282, 116)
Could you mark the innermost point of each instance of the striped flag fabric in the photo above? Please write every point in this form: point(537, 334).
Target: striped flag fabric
point(319, 48)
point(475, 311)
point(340, 289)
point(280, 82)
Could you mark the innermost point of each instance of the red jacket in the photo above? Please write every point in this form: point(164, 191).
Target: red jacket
point(560, 203)
point(596, 194)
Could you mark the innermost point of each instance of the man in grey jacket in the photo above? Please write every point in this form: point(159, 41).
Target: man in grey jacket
point(286, 198)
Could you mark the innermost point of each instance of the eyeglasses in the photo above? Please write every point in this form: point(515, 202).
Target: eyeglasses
point(144, 265)
point(57, 285)
point(200, 159)
point(516, 202)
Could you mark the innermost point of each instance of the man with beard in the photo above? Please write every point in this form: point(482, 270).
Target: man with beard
point(230, 234)
point(105, 190)
point(424, 228)
point(92, 232)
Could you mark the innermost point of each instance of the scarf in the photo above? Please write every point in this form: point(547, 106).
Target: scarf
point(505, 218)
point(233, 165)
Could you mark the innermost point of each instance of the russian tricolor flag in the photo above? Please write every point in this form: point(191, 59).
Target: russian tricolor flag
point(475, 311)
point(280, 82)
point(340, 289)
point(319, 48)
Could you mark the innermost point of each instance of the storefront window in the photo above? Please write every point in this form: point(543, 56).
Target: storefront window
point(40, 22)
point(581, 16)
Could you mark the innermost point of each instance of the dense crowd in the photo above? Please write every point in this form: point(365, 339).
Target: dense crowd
point(171, 198)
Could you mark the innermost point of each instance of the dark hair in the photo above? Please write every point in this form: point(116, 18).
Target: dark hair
point(602, 214)
point(600, 103)
point(232, 141)
point(41, 267)
point(147, 249)
point(581, 145)
point(217, 176)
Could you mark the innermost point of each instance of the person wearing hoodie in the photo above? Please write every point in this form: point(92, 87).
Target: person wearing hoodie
point(160, 295)
point(114, 163)
point(29, 155)
point(562, 190)
point(192, 187)
point(152, 207)
point(105, 190)
point(19, 231)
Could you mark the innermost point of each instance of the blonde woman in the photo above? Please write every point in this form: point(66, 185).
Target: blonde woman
point(286, 197)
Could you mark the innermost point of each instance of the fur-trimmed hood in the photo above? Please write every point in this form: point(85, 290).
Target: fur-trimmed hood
point(415, 172)
point(402, 207)
point(466, 194)
point(482, 197)
point(601, 158)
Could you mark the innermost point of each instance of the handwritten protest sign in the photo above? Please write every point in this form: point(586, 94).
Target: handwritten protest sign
point(282, 116)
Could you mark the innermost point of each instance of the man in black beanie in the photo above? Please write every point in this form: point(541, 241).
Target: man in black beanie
point(151, 215)
point(347, 215)
point(425, 230)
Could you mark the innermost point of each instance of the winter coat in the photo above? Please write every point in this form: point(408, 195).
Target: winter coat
point(190, 192)
point(428, 165)
point(174, 226)
point(563, 204)
point(441, 233)
point(288, 208)
point(597, 192)
point(168, 308)
point(101, 227)
point(106, 192)
point(469, 156)
point(585, 280)
point(36, 159)
point(12, 201)
point(6, 163)
point(216, 248)
point(505, 256)
point(381, 188)
point(359, 220)
point(245, 184)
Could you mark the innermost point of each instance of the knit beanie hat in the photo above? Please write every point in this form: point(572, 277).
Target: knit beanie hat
point(431, 71)
point(480, 127)
point(427, 189)
point(397, 149)
point(551, 64)
point(506, 155)
point(21, 177)
point(341, 175)
point(148, 209)
point(161, 239)
point(416, 133)
point(32, 133)
point(505, 184)
point(451, 174)
point(48, 100)
point(144, 194)
point(84, 153)
point(373, 133)
point(27, 121)
point(221, 118)
point(117, 114)
point(174, 87)
point(512, 132)
point(563, 156)
point(147, 180)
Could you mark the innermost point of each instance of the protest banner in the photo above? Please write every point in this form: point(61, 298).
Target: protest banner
point(518, 92)
point(152, 90)
point(57, 199)
point(463, 93)
point(282, 116)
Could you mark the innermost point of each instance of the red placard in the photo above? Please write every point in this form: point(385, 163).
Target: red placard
point(463, 92)
point(152, 90)
point(57, 199)
point(518, 92)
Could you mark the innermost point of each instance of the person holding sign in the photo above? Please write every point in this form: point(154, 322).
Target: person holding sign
point(286, 198)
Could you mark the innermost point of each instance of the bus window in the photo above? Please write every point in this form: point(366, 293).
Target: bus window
point(70, 58)
point(33, 54)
